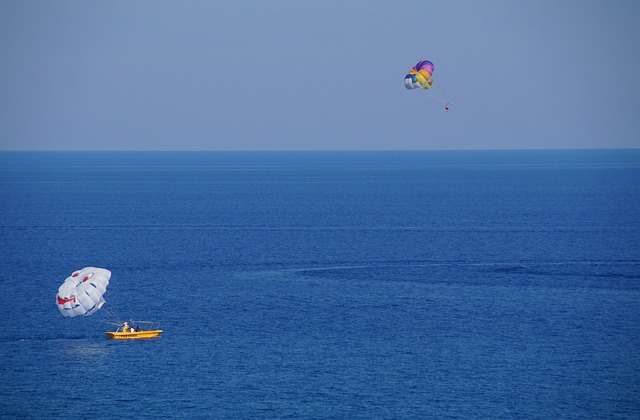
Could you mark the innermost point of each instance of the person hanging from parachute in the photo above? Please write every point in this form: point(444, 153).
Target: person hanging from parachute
point(420, 77)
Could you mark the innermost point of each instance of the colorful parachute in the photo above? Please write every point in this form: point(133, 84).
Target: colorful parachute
point(420, 76)
point(81, 293)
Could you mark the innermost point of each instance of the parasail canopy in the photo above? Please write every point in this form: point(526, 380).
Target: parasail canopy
point(420, 76)
point(82, 292)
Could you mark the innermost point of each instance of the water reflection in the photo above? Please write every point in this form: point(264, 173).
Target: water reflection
point(84, 348)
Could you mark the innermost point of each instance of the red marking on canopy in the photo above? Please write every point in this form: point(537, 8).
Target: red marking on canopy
point(63, 301)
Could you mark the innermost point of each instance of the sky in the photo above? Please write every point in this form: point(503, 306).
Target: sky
point(318, 75)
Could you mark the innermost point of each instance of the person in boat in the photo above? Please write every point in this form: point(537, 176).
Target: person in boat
point(137, 328)
point(125, 327)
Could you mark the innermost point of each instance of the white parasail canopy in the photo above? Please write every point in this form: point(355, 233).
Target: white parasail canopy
point(81, 293)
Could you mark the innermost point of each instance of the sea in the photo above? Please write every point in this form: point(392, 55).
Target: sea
point(324, 285)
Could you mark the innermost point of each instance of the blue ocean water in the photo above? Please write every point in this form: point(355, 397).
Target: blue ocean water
point(494, 284)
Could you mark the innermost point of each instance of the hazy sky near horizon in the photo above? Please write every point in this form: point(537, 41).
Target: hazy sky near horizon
point(327, 75)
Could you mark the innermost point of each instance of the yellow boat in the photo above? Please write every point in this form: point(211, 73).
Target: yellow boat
point(129, 332)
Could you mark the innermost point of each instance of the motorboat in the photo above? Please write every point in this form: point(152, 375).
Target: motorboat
point(135, 330)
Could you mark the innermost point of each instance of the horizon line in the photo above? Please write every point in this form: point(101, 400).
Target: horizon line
point(305, 150)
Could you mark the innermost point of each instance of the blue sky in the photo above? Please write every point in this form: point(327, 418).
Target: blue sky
point(328, 75)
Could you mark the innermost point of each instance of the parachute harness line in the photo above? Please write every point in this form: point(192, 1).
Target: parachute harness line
point(441, 93)
point(110, 316)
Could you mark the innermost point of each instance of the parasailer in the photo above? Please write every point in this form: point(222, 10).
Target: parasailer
point(421, 77)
